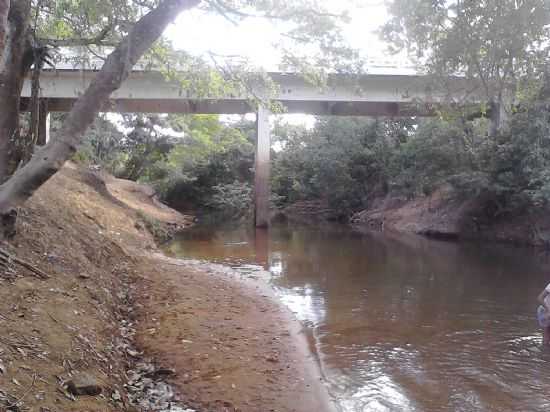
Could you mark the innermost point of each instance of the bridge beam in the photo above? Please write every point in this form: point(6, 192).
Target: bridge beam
point(262, 168)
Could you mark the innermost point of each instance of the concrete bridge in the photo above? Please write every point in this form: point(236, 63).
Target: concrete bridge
point(150, 92)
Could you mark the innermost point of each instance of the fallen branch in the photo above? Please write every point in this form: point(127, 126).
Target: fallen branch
point(6, 257)
point(51, 316)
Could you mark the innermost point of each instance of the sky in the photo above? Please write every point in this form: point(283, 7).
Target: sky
point(198, 32)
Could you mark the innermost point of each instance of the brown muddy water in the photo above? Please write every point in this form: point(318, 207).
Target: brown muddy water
point(402, 323)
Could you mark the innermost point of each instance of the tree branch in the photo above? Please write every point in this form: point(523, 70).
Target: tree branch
point(98, 40)
point(225, 9)
point(482, 78)
point(223, 12)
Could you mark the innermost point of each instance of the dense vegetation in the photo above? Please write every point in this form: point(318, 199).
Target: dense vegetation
point(194, 162)
point(351, 161)
point(346, 162)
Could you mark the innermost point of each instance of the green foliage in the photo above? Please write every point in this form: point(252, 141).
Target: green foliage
point(155, 227)
point(350, 161)
point(345, 161)
point(494, 41)
point(133, 154)
point(500, 47)
point(87, 24)
point(146, 144)
point(232, 199)
point(508, 171)
point(427, 158)
point(210, 154)
point(520, 160)
point(342, 160)
point(101, 144)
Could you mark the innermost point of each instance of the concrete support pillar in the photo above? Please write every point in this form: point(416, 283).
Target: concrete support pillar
point(43, 123)
point(261, 178)
point(261, 247)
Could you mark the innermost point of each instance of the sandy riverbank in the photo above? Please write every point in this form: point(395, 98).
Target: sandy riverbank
point(232, 345)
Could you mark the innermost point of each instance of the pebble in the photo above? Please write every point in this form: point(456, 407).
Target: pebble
point(149, 392)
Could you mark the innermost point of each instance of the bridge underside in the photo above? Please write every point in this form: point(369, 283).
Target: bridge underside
point(320, 108)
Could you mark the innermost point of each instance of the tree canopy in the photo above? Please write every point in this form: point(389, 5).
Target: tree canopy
point(502, 45)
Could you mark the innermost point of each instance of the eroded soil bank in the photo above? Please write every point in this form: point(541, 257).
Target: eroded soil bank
point(446, 216)
point(225, 344)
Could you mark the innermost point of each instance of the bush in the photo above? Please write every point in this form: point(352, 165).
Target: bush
point(232, 200)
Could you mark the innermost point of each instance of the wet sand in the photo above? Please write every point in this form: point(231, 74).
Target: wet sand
point(233, 346)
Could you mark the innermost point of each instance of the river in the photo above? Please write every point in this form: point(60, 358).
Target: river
point(402, 323)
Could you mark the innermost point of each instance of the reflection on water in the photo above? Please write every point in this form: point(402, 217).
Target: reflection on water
point(403, 323)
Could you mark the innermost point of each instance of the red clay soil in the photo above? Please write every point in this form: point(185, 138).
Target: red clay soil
point(234, 348)
point(73, 230)
point(442, 214)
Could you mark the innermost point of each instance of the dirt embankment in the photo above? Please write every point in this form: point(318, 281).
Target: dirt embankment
point(231, 346)
point(444, 215)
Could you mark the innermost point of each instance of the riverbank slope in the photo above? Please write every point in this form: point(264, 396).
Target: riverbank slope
point(444, 215)
point(224, 344)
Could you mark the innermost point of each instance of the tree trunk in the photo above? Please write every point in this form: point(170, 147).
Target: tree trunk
point(25, 148)
point(43, 123)
point(48, 160)
point(544, 92)
point(494, 118)
point(4, 11)
point(498, 116)
point(12, 75)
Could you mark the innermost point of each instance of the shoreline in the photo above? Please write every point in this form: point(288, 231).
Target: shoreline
point(299, 385)
point(118, 313)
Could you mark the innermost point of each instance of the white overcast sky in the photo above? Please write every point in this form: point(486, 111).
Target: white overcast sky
point(198, 32)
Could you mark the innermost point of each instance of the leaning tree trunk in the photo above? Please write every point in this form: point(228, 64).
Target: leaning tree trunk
point(48, 160)
point(14, 49)
point(4, 11)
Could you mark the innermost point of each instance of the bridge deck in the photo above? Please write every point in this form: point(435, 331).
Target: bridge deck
point(367, 95)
